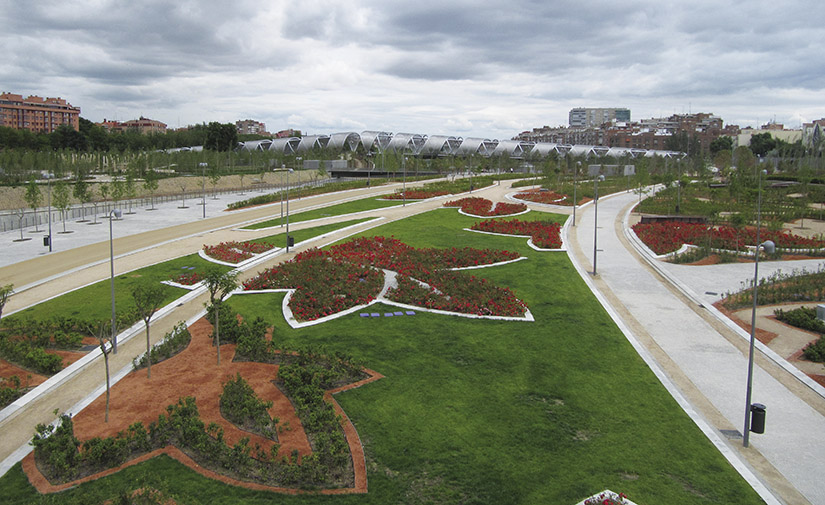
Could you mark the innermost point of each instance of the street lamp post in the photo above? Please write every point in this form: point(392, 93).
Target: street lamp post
point(113, 214)
point(769, 247)
point(203, 187)
point(404, 182)
point(283, 169)
point(297, 160)
point(595, 217)
point(49, 179)
point(575, 185)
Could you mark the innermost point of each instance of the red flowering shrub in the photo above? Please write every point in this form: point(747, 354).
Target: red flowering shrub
point(188, 279)
point(416, 194)
point(347, 275)
point(548, 197)
point(235, 252)
point(324, 284)
point(545, 234)
point(477, 206)
point(668, 236)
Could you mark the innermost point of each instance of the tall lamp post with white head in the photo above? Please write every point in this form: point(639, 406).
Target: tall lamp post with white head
point(769, 248)
point(113, 214)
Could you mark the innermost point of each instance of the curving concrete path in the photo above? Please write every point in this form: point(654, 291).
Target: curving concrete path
point(702, 360)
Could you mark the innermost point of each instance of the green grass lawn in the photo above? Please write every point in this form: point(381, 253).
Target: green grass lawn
point(93, 302)
point(361, 205)
point(483, 412)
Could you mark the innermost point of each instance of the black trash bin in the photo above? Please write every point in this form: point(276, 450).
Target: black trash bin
point(758, 418)
point(290, 241)
point(45, 241)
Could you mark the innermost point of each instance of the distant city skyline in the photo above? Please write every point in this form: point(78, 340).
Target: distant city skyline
point(482, 69)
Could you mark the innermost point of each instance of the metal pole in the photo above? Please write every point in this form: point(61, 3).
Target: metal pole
point(575, 184)
point(595, 220)
point(112, 214)
point(49, 179)
point(749, 389)
point(283, 169)
point(404, 183)
point(203, 188)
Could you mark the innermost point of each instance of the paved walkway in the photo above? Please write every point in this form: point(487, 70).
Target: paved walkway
point(704, 359)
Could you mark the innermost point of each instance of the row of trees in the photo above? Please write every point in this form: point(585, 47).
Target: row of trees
point(93, 137)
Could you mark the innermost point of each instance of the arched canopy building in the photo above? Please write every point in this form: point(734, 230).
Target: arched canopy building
point(513, 148)
point(411, 143)
point(476, 145)
point(440, 145)
point(344, 141)
point(377, 140)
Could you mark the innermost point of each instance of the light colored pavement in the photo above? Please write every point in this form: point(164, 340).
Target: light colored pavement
point(705, 362)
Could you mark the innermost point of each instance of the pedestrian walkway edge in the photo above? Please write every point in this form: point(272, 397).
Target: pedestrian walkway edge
point(727, 452)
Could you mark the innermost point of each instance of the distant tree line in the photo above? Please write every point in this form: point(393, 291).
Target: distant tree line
point(92, 137)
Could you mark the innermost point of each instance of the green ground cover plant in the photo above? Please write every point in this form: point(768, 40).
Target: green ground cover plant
point(805, 318)
point(340, 209)
point(796, 286)
point(475, 411)
point(173, 342)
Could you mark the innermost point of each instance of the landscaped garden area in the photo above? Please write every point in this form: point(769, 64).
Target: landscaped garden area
point(481, 207)
point(468, 411)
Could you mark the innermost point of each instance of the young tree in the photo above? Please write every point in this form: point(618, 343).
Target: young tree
point(129, 189)
point(148, 299)
point(183, 184)
point(104, 188)
point(81, 192)
point(118, 190)
point(61, 200)
point(100, 331)
point(219, 284)
point(150, 184)
point(5, 293)
point(34, 198)
point(214, 179)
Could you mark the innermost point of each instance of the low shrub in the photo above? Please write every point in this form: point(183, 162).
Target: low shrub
point(803, 317)
point(240, 405)
point(174, 342)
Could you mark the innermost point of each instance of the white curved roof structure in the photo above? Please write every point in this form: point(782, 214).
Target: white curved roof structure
point(343, 141)
point(255, 145)
point(440, 145)
point(513, 148)
point(288, 145)
point(407, 142)
point(580, 150)
point(313, 142)
point(476, 145)
point(378, 140)
point(544, 149)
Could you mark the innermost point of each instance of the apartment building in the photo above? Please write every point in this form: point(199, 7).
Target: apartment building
point(37, 114)
point(143, 125)
point(251, 127)
point(588, 117)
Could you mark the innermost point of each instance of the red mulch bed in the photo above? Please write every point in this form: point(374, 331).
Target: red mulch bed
point(194, 372)
point(762, 335)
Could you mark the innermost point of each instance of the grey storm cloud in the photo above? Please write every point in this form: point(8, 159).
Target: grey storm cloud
point(469, 64)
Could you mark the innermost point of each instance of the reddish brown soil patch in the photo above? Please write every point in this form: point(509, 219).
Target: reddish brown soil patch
point(7, 370)
point(194, 372)
point(818, 378)
point(761, 335)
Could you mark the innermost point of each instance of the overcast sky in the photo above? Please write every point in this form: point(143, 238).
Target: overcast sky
point(466, 68)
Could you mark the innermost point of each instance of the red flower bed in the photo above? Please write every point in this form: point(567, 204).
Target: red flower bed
point(324, 284)
point(668, 236)
point(477, 206)
point(347, 275)
point(188, 279)
point(416, 194)
point(545, 234)
point(235, 252)
point(548, 197)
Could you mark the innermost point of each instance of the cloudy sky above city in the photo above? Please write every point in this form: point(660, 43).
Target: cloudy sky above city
point(467, 68)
